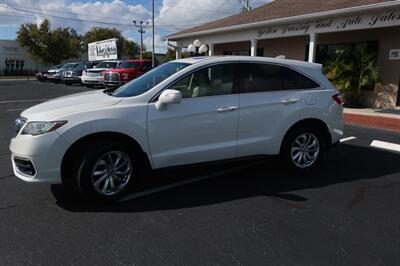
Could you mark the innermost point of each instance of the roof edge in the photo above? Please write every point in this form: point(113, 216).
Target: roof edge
point(175, 37)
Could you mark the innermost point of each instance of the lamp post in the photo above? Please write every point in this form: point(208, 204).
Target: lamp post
point(152, 24)
point(141, 31)
point(197, 48)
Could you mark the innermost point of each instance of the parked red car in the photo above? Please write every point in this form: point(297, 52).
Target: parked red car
point(126, 71)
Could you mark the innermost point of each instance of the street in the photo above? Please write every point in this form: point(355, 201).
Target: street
point(245, 213)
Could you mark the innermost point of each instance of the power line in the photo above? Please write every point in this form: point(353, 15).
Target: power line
point(88, 21)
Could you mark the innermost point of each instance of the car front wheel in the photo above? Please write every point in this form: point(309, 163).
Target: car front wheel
point(105, 174)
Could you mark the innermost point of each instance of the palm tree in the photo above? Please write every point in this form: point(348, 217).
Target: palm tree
point(352, 70)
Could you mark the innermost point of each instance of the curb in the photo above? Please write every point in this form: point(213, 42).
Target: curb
point(380, 122)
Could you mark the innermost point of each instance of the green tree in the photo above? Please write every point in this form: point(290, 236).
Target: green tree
point(352, 70)
point(170, 55)
point(131, 49)
point(125, 47)
point(49, 46)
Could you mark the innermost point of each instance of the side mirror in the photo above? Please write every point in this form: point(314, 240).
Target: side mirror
point(168, 97)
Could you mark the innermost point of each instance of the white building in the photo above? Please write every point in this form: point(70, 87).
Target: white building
point(15, 59)
point(311, 30)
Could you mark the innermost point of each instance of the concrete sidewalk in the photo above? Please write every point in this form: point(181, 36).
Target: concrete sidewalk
point(377, 118)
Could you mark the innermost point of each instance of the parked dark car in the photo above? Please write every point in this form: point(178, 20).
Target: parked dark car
point(57, 76)
point(74, 74)
point(43, 76)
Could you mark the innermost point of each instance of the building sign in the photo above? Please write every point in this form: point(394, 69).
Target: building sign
point(394, 54)
point(102, 50)
point(332, 25)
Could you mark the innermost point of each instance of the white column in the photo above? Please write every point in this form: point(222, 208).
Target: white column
point(312, 48)
point(253, 50)
point(211, 49)
point(178, 52)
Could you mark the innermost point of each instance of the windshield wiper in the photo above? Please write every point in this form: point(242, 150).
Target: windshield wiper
point(109, 91)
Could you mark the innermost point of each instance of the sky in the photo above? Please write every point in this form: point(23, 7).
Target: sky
point(170, 15)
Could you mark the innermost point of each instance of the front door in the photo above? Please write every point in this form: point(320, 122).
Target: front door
point(203, 127)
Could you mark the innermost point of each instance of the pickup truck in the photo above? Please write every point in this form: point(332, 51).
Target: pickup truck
point(126, 71)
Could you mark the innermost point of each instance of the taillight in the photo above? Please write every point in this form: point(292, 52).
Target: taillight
point(338, 98)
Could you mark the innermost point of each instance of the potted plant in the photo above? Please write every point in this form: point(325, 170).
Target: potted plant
point(350, 71)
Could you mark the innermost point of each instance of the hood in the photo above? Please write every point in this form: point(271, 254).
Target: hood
point(76, 103)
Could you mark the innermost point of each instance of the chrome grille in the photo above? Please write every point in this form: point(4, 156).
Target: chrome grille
point(111, 77)
point(93, 74)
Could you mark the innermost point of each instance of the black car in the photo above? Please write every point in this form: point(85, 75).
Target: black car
point(74, 74)
point(57, 76)
point(43, 76)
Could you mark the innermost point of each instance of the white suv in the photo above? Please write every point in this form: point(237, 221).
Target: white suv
point(182, 112)
point(95, 76)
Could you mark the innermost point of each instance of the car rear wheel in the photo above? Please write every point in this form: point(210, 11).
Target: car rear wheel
point(105, 172)
point(303, 149)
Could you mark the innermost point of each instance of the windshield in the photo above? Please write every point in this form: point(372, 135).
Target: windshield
point(54, 67)
point(125, 65)
point(69, 66)
point(149, 80)
point(82, 66)
point(106, 65)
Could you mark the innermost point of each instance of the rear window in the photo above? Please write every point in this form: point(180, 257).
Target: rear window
point(269, 77)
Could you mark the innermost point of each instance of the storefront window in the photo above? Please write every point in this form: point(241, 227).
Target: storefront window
point(238, 52)
point(326, 52)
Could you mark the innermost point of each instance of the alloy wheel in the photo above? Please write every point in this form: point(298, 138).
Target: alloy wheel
point(305, 150)
point(111, 173)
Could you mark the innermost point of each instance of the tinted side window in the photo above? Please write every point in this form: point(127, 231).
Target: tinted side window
point(260, 78)
point(293, 80)
point(269, 77)
point(209, 81)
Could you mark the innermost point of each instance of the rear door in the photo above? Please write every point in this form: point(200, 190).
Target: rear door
point(270, 102)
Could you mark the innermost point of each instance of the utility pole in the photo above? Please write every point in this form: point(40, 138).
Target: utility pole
point(152, 24)
point(141, 30)
point(245, 5)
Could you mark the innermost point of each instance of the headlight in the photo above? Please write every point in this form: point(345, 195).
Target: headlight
point(39, 128)
point(84, 73)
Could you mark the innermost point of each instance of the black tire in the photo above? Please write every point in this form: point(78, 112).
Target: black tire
point(288, 155)
point(83, 167)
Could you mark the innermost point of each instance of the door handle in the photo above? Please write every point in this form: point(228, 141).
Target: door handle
point(290, 100)
point(227, 109)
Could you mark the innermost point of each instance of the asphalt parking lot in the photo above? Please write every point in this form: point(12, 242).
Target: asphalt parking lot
point(244, 213)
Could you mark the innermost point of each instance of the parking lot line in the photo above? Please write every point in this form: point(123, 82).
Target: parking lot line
point(23, 101)
point(186, 182)
point(347, 139)
point(15, 110)
point(386, 145)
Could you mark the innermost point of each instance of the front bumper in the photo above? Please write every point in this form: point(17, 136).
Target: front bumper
point(92, 80)
point(72, 78)
point(109, 83)
point(44, 153)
